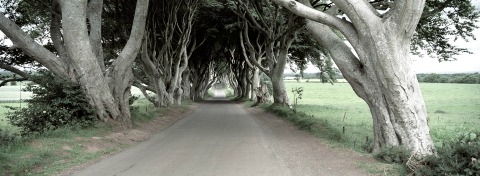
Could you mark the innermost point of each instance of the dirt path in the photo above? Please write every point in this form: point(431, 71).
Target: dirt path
point(224, 138)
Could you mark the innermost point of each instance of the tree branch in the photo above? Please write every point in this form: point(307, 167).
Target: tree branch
point(342, 55)
point(4, 82)
point(250, 16)
point(95, 8)
point(31, 48)
point(14, 70)
point(131, 49)
point(437, 9)
point(299, 9)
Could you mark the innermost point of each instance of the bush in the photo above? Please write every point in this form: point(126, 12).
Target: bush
point(457, 157)
point(132, 100)
point(394, 154)
point(6, 137)
point(55, 103)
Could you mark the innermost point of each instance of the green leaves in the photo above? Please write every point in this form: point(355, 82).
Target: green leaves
point(457, 157)
point(447, 20)
point(56, 103)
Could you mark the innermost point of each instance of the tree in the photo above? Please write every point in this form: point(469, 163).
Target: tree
point(256, 52)
point(382, 74)
point(169, 45)
point(279, 30)
point(78, 47)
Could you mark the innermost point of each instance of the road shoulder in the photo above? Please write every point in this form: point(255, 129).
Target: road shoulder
point(306, 154)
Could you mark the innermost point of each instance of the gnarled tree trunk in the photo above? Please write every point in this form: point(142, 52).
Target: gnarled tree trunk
point(109, 93)
point(279, 93)
point(382, 74)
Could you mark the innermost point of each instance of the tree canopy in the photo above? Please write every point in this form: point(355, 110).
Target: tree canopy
point(178, 49)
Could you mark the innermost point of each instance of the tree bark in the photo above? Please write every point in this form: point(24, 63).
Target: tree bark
point(120, 76)
point(186, 85)
point(32, 48)
point(95, 9)
point(280, 97)
point(89, 73)
point(279, 93)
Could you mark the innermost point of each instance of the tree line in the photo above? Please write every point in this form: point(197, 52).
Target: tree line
point(463, 78)
point(179, 49)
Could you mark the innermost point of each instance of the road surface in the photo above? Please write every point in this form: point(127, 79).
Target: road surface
point(219, 138)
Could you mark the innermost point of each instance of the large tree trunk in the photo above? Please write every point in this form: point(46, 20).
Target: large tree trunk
point(186, 85)
point(387, 83)
point(394, 97)
point(90, 75)
point(280, 96)
point(255, 82)
point(120, 77)
point(381, 73)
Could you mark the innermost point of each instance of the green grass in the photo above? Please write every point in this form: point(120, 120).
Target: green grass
point(13, 93)
point(55, 151)
point(4, 124)
point(452, 109)
point(49, 153)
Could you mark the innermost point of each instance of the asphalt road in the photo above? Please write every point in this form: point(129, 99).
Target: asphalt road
point(219, 138)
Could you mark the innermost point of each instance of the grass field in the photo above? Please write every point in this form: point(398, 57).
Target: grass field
point(452, 109)
point(13, 93)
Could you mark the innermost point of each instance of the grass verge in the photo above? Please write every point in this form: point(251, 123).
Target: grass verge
point(64, 149)
point(325, 130)
point(335, 113)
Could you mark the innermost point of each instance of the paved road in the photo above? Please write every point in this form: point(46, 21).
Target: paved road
point(219, 138)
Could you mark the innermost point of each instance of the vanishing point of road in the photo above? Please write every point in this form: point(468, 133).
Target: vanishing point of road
point(222, 138)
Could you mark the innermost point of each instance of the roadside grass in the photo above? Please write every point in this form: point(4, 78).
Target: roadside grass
point(55, 151)
point(336, 113)
point(4, 123)
point(49, 153)
point(326, 130)
point(452, 110)
point(338, 107)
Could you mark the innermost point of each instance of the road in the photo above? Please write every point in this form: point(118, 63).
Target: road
point(219, 138)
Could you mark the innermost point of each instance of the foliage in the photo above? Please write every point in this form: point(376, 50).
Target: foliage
point(6, 137)
point(132, 100)
point(297, 95)
point(56, 103)
point(264, 79)
point(301, 120)
point(435, 31)
point(457, 157)
point(450, 78)
point(394, 154)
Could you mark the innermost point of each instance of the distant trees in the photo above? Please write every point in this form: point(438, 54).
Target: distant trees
point(450, 78)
